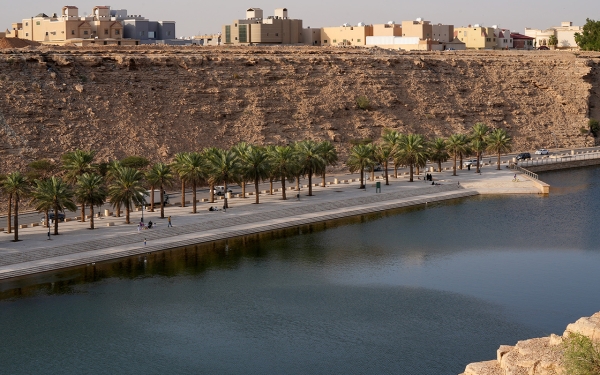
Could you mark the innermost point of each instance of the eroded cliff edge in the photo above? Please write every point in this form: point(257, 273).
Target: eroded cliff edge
point(156, 102)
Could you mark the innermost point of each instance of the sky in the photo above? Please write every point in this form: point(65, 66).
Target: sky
point(195, 17)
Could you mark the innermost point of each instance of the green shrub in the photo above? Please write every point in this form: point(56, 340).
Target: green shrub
point(137, 162)
point(594, 126)
point(584, 130)
point(362, 102)
point(581, 355)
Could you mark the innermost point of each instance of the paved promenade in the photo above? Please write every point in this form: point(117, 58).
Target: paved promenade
point(77, 245)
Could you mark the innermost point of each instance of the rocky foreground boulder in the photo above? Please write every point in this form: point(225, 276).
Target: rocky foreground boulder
point(540, 356)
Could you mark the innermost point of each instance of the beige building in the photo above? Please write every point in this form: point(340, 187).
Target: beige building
point(419, 29)
point(277, 29)
point(476, 37)
point(346, 35)
point(311, 37)
point(442, 33)
point(69, 27)
point(387, 29)
point(565, 33)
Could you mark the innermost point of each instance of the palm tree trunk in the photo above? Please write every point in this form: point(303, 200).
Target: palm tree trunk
point(243, 189)
point(323, 177)
point(373, 174)
point(298, 183)
point(126, 214)
point(225, 205)
point(460, 165)
point(439, 165)
point(271, 185)
point(410, 169)
point(362, 174)
point(417, 167)
point(91, 216)
point(151, 198)
point(47, 224)
point(83, 212)
point(498, 162)
point(387, 177)
point(119, 210)
point(194, 196)
point(395, 170)
point(56, 220)
point(182, 193)
point(454, 166)
point(162, 202)
point(16, 218)
point(477, 169)
point(283, 197)
point(310, 182)
point(255, 189)
point(212, 193)
point(9, 217)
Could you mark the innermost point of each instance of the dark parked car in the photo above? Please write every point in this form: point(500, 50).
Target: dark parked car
point(61, 217)
point(523, 156)
point(543, 48)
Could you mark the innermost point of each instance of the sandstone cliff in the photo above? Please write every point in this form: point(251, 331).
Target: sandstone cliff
point(540, 356)
point(156, 102)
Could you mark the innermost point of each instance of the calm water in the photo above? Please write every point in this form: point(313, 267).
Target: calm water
point(416, 291)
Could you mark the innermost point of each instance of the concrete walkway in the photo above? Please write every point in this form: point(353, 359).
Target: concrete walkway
point(79, 246)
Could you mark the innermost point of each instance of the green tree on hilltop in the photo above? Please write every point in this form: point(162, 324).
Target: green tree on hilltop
point(589, 39)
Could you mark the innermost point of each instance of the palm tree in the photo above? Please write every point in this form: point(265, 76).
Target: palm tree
point(207, 155)
point(329, 155)
point(383, 154)
point(456, 146)
point(269, 149)
point(412, 151)
point(478, 138)
point(126, 189)
point(90, 190)
point(241, 149)
point(192, 169)
point(310, 159)
point(55, 193)
point(76, 163)
point(114, 170)
point(9, 216)
point(438, 152)
point(16, 186)
point(161, 175)
point(499, 142)
point(257, 166)
point(223, 166)
point(361, 157)
point(177, 168)
point(391, 139)
point(284, 163)
point(42, 206)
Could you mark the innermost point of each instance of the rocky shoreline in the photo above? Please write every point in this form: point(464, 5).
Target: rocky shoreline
point(538, 356)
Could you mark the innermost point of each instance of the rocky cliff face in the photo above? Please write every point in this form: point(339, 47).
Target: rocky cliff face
point(540, 356)
point(156, 102)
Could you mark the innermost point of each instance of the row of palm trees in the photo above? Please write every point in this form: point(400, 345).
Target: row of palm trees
point(124, 183)
point(414, 151)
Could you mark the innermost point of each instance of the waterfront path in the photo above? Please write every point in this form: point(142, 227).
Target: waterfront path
point(79, 246)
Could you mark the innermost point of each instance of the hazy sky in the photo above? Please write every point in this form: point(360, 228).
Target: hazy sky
point(194, 17)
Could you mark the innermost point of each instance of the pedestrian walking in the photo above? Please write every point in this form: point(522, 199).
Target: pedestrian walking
point(144, 241)
point(298, 196)
point(170, 225)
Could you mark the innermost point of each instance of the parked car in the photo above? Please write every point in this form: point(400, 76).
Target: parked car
point(220, 190)
point(61, 217)
point(378, 168)
point(523, 156)
point(471, 162)
point(543, 48)
point(542, 151)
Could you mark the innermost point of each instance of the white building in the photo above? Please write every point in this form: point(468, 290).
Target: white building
point(503, 39)
point(565, 33)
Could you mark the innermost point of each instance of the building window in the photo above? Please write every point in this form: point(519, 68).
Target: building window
point(227, 34)
point(358, 40)
point(26, 23)
point(511, 40)
point(236, 38)
point(117, 32)
point(235, 25)
point(37, 23)
point(325, 41)
point(488, 39)
point(46, 33)
point(85, 32)
point(465, 32)
point(334, 41)
point(168, 33)
point(105, 31)
point(72, 32)
point(26, 34)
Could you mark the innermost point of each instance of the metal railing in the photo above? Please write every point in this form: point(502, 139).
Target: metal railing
point(560, 158)
point(525, 171)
